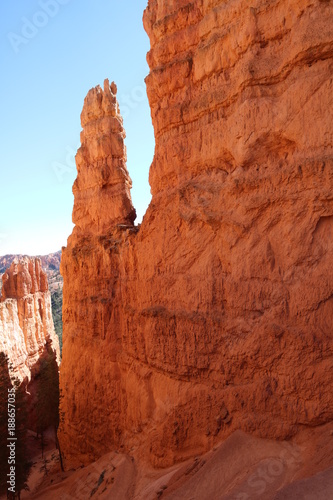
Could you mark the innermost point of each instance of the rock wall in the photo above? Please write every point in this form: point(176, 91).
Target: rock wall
point(216, 313)
point(26, 323)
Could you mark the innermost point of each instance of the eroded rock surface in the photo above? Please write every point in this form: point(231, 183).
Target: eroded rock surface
point(102, 187)
point(217, 313)
point(26, 323)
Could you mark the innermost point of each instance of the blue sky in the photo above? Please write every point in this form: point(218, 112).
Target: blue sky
point(52, 52)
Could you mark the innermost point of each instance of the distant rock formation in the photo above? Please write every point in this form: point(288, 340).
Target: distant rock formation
point(26, 323)
point(217, 313)
point(51, 264)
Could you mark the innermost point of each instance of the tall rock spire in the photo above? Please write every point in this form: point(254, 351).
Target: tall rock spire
point(102, 188)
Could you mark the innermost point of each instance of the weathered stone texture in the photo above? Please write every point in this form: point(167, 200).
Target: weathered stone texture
point(217, 313)
point(26, 323)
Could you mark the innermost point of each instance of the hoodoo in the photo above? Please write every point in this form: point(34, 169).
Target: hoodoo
point(102, 188)
point(26, 323)
point(104, 216)
point(216, 314)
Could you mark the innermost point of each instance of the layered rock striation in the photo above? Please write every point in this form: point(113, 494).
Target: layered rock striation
point(217, 313)
point(26, 323)
point(102, 187)
point(104, 216)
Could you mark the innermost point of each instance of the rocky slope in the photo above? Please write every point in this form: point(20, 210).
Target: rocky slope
point(243, 467)
point(217, 313)
point(26, 323)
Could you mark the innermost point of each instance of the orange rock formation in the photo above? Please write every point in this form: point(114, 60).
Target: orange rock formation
point(102, 187)
point(26, 323)
point(217, 313)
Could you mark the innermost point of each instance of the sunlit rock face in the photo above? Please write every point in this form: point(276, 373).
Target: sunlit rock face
point(26, 324)
point(102, 187)
point(217, 313)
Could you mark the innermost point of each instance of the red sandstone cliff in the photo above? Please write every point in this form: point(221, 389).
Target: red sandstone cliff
point(217, 314)
point(26, 323)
